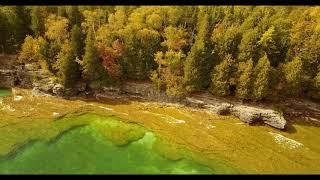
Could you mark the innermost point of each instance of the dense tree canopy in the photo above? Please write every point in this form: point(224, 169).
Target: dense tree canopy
point(252, 52)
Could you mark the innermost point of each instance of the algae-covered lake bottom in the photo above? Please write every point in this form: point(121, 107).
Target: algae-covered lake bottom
point(49, 135)
point(85, 150)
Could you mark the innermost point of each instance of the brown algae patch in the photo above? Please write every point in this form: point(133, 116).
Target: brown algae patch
point(211, 138)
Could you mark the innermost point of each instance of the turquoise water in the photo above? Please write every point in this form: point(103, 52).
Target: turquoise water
point(84, 150)
point(5, 92)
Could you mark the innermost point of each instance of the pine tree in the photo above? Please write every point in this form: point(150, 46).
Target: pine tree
point(4, 32)
point(294, 74)
point(220, 77)
point(37, 24)
point(269, 45)
point(197, 66)
point(311, 53)
point(262, 78)
point(49, 51)
point(77, 41)
point(74, 15)
point(244, 88)
point(68, 72)
point(248, 48)
point(93, 72)
point(20, 26)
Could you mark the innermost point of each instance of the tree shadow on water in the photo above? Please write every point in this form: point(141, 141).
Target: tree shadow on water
point(289, 128)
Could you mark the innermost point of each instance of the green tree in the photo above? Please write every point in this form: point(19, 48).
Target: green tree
point(311, 53)
point(4, 32)
point(244, 87)
point(269, 45)
point(74, 15)
point(294, 75)
point(220, 84)
point(77, 41)
point(20, 25)
point(37, 22)
point(226, 41)
point(170, 72)
point(49, 51)
point(261, 78)
point(249, 48)
point(93, 72)
point(197, 66)
point(68, 72)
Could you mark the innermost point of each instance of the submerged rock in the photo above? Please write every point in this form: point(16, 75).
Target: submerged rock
point(287, 142)
point(17, 98)
point(55, 115)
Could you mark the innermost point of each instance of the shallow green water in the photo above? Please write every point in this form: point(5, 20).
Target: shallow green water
point(5, 92)
point(85, 150)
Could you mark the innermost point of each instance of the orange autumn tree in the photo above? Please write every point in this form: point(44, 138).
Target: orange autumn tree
point(110, 56)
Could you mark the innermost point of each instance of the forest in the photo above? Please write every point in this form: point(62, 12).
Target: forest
point(249, 52)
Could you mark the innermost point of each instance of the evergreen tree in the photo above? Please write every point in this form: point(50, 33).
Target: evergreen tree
point(220, 84)
point(68, 72)
point(37, 23)
point(93, 72)
point(244, 88)
point(197, 66)
point(4, 32)
point(77, 41)
point(294, 74)
point(20, 25)
point(311, 53)
point(261, 78)
point(74, 15)
point(249, 48)
point(49, 51)
point(226, 40)
point(268, 42)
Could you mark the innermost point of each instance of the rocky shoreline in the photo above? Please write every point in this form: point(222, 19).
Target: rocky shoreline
point(41, 84)
point(145, 91)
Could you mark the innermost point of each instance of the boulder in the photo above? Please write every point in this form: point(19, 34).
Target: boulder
point(246, 114)
point(58, 90)
point(224, 109)
point(250, 114)
point(273, 119)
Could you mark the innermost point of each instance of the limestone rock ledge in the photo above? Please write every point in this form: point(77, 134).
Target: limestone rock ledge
point(245, 113)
